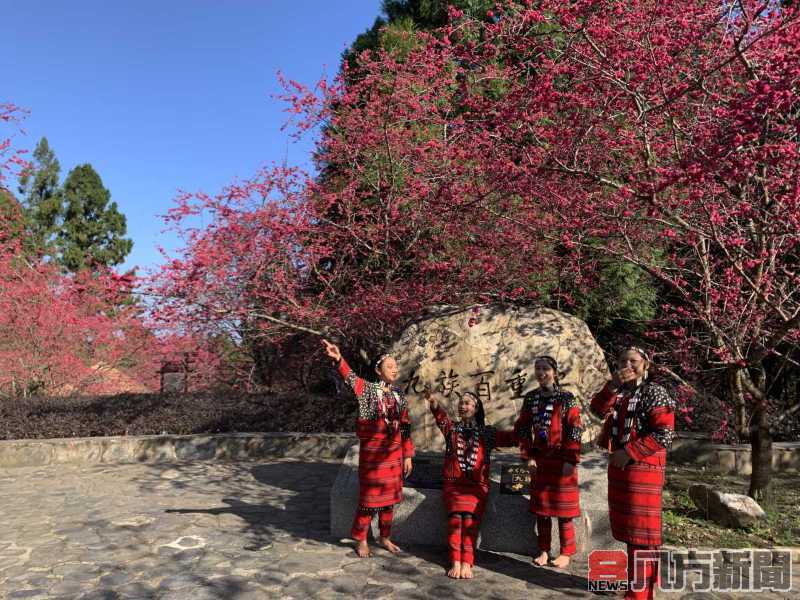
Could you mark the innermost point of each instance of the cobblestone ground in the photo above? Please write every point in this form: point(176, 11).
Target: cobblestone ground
point(223, 530)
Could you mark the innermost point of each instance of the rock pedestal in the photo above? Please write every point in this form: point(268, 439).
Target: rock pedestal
point(507, 525)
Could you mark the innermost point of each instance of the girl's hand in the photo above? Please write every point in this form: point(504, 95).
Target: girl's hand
point(407, 467)
point(622, 376)
point(567, 469)
point(531, 464)
point(332, 350)
point(432, 402)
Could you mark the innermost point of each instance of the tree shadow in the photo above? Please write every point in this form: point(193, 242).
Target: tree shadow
point(264, 521)
point(118, 546)
point(303, 515)
point(489, 564)
point(593, 461)
point(123, 545)
point(543, 577)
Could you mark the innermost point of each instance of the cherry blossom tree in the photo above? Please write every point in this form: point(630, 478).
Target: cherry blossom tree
point(667, 135)
point(511, 158)
point(61, 333)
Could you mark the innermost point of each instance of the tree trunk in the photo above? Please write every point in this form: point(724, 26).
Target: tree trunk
point(761, 448)
point(263, 356)
point(739, 403)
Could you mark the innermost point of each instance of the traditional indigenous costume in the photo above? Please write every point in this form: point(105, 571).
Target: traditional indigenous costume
point(640, 417)
point(468, 448)
point(384, 435)
point(549, 430)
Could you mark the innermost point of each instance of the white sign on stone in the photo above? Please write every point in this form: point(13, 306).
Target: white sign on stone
point(490, 350)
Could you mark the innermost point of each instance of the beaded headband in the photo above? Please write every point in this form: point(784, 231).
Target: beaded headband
point(474, 397)
point(381, 358)
point(549, 360)
point(638, 351)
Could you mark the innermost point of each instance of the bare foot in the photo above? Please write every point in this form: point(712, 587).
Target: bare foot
point(455, 571)
point(541, 560)
point(562, 561)
point(362, 549)
point(466, 571)
point(387, 543)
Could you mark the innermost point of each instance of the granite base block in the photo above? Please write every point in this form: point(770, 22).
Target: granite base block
point(507, 525)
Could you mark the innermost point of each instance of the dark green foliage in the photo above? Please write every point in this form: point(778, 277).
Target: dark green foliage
point(624, 298)
point(76, 224)
point(93, 228)
point(422, 15)
point(42, 197)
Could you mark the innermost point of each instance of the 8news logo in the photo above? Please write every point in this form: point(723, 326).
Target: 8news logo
point(608, 571)
point(739, 569)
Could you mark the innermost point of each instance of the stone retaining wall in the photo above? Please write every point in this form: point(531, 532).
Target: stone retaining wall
point(699, 450)
point(171, 448)
point(687, 447)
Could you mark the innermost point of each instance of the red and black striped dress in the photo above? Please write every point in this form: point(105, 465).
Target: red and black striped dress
point(466, 472)
point(646, 433)
point(466, 468)
point(551, 440)
point(384, 435)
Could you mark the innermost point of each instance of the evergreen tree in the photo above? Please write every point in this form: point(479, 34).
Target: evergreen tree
point(410, 15)
point(93, 228)
point(42, 197)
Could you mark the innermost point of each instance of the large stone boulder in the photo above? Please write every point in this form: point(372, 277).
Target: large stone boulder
point(726, 509)
point(490, 350)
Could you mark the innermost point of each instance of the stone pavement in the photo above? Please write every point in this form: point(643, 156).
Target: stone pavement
point(232, 530)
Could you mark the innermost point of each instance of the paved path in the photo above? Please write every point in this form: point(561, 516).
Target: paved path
point(221, 530)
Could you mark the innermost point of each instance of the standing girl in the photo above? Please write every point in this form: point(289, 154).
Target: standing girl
point(638, 431)
point(549, 430)
point(468, 446)
point(385, 447)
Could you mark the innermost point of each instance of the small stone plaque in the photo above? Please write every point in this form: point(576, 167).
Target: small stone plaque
point(514, 479)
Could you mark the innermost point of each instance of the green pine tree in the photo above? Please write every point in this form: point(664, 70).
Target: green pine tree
point(42, 197)
point(408, 16)
point(93, 228)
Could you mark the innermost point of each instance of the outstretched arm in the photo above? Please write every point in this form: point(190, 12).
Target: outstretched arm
point(443, 422)
point(351, 379)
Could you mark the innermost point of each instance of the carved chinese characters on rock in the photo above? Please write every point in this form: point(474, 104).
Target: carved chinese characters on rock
point(489, 350)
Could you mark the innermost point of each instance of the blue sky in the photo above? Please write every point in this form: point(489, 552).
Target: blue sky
point(161, 96)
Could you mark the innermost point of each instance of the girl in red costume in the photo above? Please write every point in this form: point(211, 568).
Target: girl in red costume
point(468, 446)
point(549, 430)
point(385, 447)
point(638, 431)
